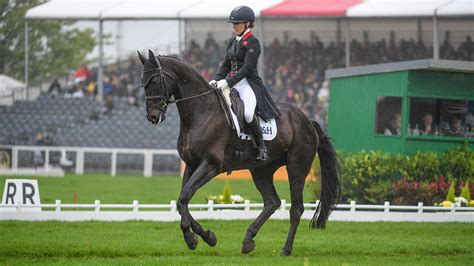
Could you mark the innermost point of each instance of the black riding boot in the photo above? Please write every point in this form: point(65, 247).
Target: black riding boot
point(256, 132)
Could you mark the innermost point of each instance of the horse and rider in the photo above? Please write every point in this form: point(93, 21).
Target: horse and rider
point(206, 141)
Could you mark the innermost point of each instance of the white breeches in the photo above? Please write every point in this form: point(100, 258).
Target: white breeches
point(248, 97)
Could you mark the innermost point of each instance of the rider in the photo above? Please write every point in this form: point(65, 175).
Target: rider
point(239, 70)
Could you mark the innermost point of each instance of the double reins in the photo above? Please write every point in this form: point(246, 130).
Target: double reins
point(166, 99)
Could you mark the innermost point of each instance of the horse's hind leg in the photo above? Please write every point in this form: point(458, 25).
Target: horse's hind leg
point(208, 236)
point(263, 179)
point(298, 168)
point(201, 176)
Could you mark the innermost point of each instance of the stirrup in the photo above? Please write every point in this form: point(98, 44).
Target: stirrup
point(262, 155)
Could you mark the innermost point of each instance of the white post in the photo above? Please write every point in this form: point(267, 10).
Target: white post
point(46, 158)
point(135, 206)
point(247, 205)
point(210, 204)
point(97, 206)
point(347, 37)
point(420, 207)
point(283, 205)
point(173, 206)
point(148, 164)
point(27, 60)
point(353, 206)
point(14, 158)
point(435, 36)
point(100, 74)
point(453, 207)
point(58, 206)
point(386, 207)
point(113, 166)
point(80, 162)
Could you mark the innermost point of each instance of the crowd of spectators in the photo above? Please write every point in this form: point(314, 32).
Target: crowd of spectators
point(294, 70)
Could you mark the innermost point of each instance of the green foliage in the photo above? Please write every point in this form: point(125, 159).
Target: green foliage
point(458, 163)
point(53, 48)
point(465, 193)
point(423, 166)
point(451, 196)
point(370, 176)
point(227, 193)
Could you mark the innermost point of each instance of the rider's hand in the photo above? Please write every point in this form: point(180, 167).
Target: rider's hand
point(213, 83)
point(221, 84)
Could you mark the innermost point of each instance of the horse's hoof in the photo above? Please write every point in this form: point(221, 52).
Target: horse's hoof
point(191, 240)
point(211, 239)
point(285, 252)
point(248, 247)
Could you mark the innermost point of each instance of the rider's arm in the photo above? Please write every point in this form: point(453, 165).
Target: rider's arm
point(250, 62)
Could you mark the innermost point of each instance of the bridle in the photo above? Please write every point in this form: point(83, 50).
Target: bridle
point(164, 100)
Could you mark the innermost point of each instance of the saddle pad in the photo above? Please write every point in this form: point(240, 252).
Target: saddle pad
point(269, 129)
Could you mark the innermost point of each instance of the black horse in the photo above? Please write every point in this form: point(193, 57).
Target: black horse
point(206, 144)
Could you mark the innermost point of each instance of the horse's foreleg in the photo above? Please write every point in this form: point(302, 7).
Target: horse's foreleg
point(198, 178)
point(208, 236)
point(263, 179)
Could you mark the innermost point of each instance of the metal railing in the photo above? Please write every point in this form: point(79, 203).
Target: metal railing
point(81, 152)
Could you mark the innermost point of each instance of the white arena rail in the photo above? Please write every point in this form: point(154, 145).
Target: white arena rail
point(79, 160)
point(247, 210)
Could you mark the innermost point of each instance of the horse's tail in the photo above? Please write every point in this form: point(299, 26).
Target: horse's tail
point(330, 184)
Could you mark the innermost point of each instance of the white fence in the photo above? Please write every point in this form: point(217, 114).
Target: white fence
point(83, 151)
point(247, 210)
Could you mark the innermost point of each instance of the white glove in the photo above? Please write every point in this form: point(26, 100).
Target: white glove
point(221, 84)
point(213, 83)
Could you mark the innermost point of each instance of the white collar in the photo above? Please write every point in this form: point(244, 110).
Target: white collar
point(238, 38)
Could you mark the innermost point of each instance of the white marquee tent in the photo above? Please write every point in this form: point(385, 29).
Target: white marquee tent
point(183, 10)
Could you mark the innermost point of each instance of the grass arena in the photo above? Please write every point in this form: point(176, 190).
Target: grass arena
point(204, 132)
point(160, 243)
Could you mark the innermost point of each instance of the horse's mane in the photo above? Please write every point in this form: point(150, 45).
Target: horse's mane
point(188, 65)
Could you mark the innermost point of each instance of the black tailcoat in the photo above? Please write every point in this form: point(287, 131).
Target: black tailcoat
point(241, 62)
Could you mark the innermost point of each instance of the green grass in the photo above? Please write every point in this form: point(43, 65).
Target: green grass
point(125, 189)
point(160, 243)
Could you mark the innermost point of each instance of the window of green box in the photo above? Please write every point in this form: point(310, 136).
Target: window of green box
point(441, 117)
point(388, 120)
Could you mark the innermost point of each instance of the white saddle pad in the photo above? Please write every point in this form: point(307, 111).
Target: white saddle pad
point(269, 129)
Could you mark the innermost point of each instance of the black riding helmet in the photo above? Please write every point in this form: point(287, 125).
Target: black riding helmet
point(241, 14)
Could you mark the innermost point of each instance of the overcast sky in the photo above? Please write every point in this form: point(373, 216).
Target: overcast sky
point(129, 35)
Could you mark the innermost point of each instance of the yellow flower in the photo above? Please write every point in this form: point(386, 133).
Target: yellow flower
point(471, 203)
point(446, 203)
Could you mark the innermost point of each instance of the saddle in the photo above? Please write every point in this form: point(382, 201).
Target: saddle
point(235, 117)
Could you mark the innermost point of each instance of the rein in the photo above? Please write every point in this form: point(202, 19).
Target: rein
point(166, 100)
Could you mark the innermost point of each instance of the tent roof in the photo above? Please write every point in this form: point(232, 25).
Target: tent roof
point(8, 84)
point(319, 8)
point(219, 9)
point(71, 9)
point(411, 8)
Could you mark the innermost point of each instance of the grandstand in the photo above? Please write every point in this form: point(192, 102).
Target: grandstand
point(80, 122)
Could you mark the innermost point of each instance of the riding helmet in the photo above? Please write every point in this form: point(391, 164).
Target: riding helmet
point(241, 14)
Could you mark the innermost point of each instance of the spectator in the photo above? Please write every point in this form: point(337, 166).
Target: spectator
point(455, 128)
point(427, 124)
point(395, 125)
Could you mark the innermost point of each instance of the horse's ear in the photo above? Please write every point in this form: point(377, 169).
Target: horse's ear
point(151, 56)
point(142, 58)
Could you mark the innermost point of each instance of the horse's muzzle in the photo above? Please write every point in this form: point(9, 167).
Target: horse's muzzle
point(156, 117)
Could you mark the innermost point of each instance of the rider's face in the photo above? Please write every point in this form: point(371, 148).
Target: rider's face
point(238, 27)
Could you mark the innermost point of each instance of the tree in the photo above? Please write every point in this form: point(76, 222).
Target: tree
point(53, 48)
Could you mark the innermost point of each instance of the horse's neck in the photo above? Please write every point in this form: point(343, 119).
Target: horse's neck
point(193, 110)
